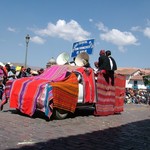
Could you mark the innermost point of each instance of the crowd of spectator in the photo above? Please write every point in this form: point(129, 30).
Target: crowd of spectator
point(137, 96)
point(8, 72)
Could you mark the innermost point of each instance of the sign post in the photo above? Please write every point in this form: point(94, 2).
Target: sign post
point(82, 46)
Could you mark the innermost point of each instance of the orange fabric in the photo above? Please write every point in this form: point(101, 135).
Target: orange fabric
point(65, 93)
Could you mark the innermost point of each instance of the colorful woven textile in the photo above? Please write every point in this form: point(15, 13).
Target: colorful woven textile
point(54, 73)
point(105, 95)
point(66, 93)
point(25, 93)
point(119, 93)
point(45, 100)
point(88, 84)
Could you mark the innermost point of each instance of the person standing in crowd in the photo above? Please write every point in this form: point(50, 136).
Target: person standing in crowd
point(28, 72)
point(112, 66)
point(22, 72)
point(103, 62)
point(10, 74)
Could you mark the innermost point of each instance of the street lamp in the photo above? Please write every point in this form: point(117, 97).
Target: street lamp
point(27, 42)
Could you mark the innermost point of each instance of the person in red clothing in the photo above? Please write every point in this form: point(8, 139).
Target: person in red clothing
point(103, 62)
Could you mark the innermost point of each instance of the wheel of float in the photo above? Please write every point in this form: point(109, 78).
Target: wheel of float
point(59, 114)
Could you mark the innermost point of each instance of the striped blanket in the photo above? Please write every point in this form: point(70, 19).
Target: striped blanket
point(110, 96)
point(106, 95)
point(65, 94)
point(54, 73)
point(119, 93)
point(25, 93)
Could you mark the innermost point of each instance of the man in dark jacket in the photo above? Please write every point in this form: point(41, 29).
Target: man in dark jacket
point(103, 62)
point(112, 66)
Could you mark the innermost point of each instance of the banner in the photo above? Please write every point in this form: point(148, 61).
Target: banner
point(82, 46)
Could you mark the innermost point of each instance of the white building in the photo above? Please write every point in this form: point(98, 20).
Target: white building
point(134, 77)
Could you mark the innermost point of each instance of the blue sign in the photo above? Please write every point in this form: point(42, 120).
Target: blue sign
point(82, 46)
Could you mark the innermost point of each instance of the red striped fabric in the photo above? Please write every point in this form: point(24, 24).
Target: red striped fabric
point(119, 93)
point(24, 94)
point(105, 96)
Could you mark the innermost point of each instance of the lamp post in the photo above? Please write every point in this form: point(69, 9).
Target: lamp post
point(27, 42)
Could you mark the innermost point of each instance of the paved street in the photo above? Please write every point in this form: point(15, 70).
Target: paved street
point(81, 131)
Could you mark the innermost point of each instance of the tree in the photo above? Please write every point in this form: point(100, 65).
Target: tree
point(146, 80)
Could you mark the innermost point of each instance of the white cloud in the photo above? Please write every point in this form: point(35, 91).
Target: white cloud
point(11, 29)
point(67, 31)
point(101, 27)
point(37, 39)
point(136, 28)
point(146, 32)
point(117, 37)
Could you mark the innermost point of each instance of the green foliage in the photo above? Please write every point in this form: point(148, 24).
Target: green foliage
point(146, 80)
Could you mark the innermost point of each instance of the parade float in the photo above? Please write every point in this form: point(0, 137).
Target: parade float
point(63, 88)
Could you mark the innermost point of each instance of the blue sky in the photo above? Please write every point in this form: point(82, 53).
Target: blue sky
point(122, 26)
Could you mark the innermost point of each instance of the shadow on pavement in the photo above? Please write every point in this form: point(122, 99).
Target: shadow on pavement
point(132, 136)
point(41, 115)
